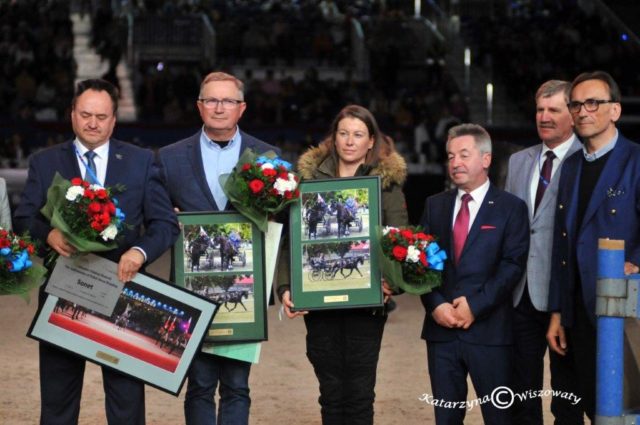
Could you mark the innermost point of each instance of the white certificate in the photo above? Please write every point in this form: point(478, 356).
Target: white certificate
point(86, 280)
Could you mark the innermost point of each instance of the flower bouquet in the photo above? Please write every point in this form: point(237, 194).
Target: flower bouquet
point(411, 260)
point(87, 215)
point(18, 275)
point(260, 186)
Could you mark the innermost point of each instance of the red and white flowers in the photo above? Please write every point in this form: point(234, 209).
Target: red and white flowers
point(412, 260)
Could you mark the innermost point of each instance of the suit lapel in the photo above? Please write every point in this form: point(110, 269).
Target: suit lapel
point(530, 165)
point(69, 159)
point(447, 214)
point(116, 167)
point(610, 175)
point(195, 157)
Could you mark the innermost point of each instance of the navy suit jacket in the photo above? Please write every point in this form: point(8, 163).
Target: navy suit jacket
point(144, 200)
point(183, 172)
point(613, 212)
point(491, 264)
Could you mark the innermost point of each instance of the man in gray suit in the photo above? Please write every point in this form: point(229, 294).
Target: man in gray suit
point(533, 176)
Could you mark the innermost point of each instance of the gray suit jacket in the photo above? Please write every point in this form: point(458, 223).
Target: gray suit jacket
point(5, 211)
point(521, 167)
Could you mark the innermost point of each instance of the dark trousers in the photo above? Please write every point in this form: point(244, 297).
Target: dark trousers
point(530, 345)
point(61, 377)
point(343, 347)
point(578, 372)
point(207, 373)
point(488, 366)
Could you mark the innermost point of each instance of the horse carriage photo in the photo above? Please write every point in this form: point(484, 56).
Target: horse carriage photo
point(337, 217)
point(322, 269)
point(223, 252)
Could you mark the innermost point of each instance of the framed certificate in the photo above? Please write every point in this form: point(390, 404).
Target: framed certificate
point(333, 261)
point(152, 332)
point(220, 256)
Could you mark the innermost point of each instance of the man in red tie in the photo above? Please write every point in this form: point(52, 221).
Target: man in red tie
point(468, 322)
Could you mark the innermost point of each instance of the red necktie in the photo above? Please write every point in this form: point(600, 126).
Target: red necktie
point(461, 227)
point(545, 178)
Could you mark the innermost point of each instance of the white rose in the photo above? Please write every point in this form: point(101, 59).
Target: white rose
point(73, 192)
point(387, 229)
point(109, 233)
point(413, 254)
point(266, 165)
point(282, 185)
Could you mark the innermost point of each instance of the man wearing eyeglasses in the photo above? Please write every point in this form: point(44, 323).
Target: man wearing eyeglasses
point(598, 197)
point(191, 168)
point(533, 176)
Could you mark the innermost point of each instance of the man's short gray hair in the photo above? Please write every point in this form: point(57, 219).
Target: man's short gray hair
point(479, 134)
point(552, 87)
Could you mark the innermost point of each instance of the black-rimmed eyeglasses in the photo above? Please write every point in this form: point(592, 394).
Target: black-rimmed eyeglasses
point(590, 105)
point(212, 102)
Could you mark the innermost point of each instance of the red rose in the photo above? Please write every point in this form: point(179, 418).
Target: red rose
point(94, 208)
point(85, 184)
point(256, 185)
point(246, 167)
point(288, 194)
point(284, 175)
point(296, 194)
point(423, 259)
point(407, 234)
point(102, 194)
point(4, 243)
point(399, 252)
point(76, 181)
point(30, 249)
point(111, 208)
point(22, 244)
point(88, 193)
point(269, 172)
point(421, 236)
point(3, 233)
point(97, 226)
point(105, 219)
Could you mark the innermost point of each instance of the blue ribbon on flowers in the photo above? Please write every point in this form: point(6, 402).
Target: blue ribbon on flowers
point(19, 261)
point(435, 256)
point(276, 162)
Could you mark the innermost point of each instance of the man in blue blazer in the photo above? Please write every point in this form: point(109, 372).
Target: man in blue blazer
point(468, 322)
point(598, 197)
point(533, 176)
point(191, 168)
point(146, 205)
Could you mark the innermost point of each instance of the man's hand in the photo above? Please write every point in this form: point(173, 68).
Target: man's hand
point(464, 311)
point(556, 336)
point(630, 268)
point(56, 240)
point(446, 316)
point(129, 264)
point(287, 304)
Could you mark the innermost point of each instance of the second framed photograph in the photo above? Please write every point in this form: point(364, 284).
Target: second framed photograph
point(220, 256)
point(333, 263)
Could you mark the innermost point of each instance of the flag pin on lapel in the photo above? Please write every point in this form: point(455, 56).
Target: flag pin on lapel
point(119, 156)
point(490, 202)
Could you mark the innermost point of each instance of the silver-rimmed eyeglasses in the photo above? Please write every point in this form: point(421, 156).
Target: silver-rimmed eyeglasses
point(590, 105)
point(212, 102)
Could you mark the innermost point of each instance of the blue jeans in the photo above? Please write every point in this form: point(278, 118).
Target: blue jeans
point(206, 372)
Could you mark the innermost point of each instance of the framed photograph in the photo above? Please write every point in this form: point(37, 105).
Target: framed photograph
point(152, 334)
point(332, 228)
point(220, 256)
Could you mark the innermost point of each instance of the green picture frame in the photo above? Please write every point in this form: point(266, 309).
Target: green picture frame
point(220, 256)
point(334, 259)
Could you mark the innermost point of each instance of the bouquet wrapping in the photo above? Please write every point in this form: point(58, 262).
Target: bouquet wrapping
point(410, 259)
point(18, 275)
point(260, 186)
point(87, 215)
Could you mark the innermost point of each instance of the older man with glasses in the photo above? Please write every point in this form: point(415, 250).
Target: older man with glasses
point(598, 197)
point(191, 168)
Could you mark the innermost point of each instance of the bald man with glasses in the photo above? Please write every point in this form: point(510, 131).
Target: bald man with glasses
point(598, 197)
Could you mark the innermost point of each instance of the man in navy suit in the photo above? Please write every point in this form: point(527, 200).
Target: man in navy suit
point(468, 325)
point(598, 197)
point(191, 168)
point(146, 205)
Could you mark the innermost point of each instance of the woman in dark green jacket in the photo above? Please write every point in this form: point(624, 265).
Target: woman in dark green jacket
point(343, 345)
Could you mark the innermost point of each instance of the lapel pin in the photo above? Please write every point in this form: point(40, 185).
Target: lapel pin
point(119, 156)
point(490, 202)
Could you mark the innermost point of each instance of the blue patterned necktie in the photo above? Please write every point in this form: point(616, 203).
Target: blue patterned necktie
point(92, 173)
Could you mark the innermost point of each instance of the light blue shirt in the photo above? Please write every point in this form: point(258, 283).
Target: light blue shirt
point(217, 161)
point(590, 157)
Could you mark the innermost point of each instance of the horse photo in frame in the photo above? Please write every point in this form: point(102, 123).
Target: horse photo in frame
point(333, 263)
point(220, 256)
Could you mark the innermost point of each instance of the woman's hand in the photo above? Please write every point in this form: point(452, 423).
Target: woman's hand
point(387, 291)
point(287, 305)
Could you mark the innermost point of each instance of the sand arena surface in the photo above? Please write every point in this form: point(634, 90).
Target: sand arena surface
point(284, 389)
